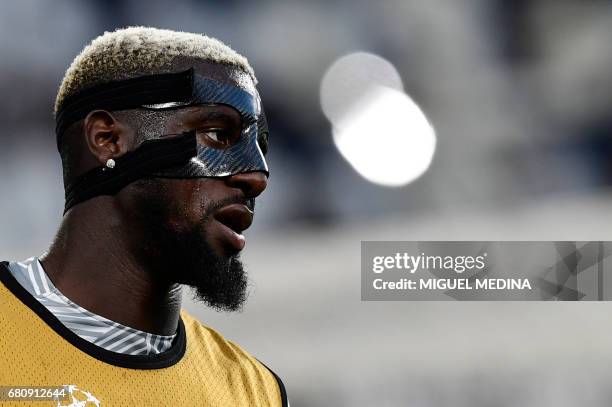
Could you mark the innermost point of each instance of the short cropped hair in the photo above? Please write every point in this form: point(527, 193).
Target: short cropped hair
point(137, 51)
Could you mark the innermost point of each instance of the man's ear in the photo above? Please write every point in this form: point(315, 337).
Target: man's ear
point(106, 136)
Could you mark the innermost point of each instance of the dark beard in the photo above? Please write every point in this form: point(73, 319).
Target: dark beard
point(220, 282)
point(186, 257)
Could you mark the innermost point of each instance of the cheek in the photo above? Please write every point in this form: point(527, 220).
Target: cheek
point(189, 200)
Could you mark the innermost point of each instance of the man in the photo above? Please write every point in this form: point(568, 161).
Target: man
point(162, 138)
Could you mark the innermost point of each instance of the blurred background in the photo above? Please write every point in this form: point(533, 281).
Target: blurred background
point(520, 96)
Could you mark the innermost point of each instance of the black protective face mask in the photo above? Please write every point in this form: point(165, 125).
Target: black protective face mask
point(178, 156)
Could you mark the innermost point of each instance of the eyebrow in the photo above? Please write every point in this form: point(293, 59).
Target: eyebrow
point(215, 114)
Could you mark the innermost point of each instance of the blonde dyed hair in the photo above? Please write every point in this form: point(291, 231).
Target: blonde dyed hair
point(137, 51)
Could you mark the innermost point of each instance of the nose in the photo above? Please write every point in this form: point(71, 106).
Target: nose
point(251, 183)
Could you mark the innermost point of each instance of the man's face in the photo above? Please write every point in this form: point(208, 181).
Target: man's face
point(192, 228)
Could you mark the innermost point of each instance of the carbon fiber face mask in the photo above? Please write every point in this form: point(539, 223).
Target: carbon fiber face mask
point(171, 156)
point(245, 155)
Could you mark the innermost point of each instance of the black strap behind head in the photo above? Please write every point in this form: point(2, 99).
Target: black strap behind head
point(125, 94)
point(150, 157)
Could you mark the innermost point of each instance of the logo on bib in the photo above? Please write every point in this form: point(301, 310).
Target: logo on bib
point(79, 398)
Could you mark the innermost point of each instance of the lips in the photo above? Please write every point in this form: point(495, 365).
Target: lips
point(233, 219)
point(235, 216)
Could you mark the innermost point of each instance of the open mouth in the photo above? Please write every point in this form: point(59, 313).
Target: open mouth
point(234, 219)
point(237, 217)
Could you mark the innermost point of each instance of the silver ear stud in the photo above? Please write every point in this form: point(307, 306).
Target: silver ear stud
point(110, 164)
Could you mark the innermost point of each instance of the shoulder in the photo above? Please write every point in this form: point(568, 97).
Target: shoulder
point(210, 345)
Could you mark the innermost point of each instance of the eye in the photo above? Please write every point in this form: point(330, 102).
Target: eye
point(215, 135)
point(217, 138)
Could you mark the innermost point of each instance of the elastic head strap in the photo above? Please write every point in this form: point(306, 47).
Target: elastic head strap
point(152, 156)
point(125, 94)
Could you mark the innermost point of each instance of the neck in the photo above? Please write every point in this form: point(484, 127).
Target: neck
point(92, 262)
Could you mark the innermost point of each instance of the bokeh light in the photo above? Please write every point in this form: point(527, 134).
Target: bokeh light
point(377, 127)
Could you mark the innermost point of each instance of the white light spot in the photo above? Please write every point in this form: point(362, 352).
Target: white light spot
point(350, 78)
point(377, 128)
point(386, 138)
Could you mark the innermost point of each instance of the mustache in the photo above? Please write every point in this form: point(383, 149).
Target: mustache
point(248, 202)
